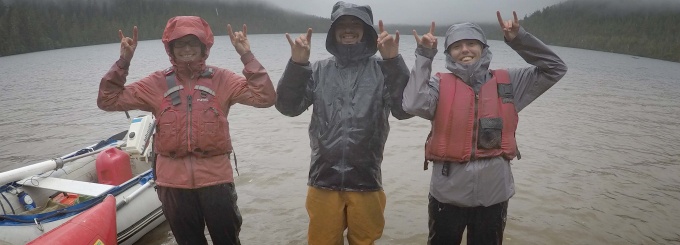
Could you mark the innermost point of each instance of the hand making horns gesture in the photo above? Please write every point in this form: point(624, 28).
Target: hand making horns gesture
point(239, 39)
point(387, 44)
point(127, 44)
point(428, 40)
point(299, 49)
point(510, 27)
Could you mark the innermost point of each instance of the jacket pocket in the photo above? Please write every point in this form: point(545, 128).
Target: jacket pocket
point(213, 138)
point(168, 138)
point(490, 131)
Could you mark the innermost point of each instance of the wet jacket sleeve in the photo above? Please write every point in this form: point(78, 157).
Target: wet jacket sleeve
point(396, 76)
point(547, 68)
point(255, 88)
point(114, 95)
point(294, 89)
point(422, 90)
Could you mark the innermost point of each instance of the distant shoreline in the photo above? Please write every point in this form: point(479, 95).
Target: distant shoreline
point(35, 25)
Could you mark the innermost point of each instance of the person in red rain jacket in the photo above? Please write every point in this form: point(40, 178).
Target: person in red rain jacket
point(191, 101)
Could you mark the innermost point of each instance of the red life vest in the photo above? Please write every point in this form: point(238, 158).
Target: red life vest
point(191, 120)
point(469, 126)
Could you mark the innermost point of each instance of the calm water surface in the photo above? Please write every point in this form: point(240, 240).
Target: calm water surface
point(601, 155)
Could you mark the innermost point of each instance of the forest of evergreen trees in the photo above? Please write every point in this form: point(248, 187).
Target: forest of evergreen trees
point(35, 25)
point(641, 28)
point(648, 28)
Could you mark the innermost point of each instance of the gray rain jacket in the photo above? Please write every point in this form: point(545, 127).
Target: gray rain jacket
point(481, 182)
point(352, 94)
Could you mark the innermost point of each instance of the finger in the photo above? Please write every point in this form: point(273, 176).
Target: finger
point(245, 30)
point(500, 19)
point(380, 26)
point(383, 35)
point(309, 35)
point(515, 14)
point(120, 35)
point(134, 34)
point(432, 28)
point(230, 31)
point(301, 42)
point(396, 37)
point(290, 41)
point(415, 34)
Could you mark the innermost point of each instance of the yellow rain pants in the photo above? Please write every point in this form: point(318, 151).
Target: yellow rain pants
point(331, 212)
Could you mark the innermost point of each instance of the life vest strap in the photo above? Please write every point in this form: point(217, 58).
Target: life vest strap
point(208, 73)
point(173, 89)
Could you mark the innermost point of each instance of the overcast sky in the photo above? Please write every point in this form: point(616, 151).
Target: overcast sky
point(424, 11)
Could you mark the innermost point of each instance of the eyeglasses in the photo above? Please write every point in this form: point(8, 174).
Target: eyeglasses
point(349, 24)
point(192, 43)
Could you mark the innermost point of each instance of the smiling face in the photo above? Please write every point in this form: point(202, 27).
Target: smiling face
point(466, 51)
point(348, 29)
point(187, 49)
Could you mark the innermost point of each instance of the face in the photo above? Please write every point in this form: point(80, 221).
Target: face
point(466, 51)
point(348, 29)
point(187, 49)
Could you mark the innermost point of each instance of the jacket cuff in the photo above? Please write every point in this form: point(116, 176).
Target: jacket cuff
point(297, 69)
point(122, 63)
point(391, 61)
point(426, 52)
point(299, 64)
point(521, 33)
point(247, 57)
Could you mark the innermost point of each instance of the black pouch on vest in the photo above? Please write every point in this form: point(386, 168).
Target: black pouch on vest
point(490, 133)
point(505, 93)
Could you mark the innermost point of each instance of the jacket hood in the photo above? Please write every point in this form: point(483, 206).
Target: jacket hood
point(180, 26)
point(368, 45)
point(463, 31)
point(473, 74)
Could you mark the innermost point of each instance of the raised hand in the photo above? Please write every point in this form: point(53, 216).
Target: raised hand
point(428, 40)
point(387, 44)
point(239, 39)
point(510, 27)
point(299, 49)
point(127, 44)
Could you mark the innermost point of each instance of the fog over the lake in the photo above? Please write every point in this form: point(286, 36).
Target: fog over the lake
point(452, 11)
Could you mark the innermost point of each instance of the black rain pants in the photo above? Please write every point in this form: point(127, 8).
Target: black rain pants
point(189, 211)
point(447, 223)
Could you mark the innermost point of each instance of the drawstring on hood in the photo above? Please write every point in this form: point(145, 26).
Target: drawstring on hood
point(475, 74)
point(180, 26)
point(351, 53)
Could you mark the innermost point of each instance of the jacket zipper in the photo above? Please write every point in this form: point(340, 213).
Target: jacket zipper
point(189, 132)
point(475, 124)
point(189, 119)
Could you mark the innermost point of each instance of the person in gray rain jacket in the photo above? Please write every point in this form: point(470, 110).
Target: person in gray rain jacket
point(473, 111)
point(352, 93)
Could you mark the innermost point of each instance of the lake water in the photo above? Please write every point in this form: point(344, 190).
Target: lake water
point(601, 149)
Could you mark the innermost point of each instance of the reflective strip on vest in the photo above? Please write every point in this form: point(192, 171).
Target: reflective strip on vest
point(205, 89)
